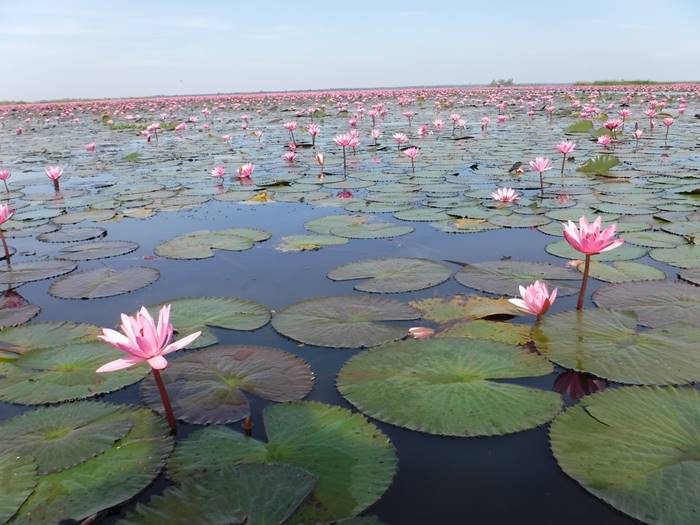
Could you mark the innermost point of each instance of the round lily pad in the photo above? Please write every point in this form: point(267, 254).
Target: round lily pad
point(17, 481)
point(685, 256)
point(392, 275)
point(608, 344)
point(201, 244)
point(344, 322)
point(97, 250)
point(15, 342)
point(103, 282)
point(72, 234)
point(374, 230)
point(447, 386)
point(209, 386)
point(626, 252)
point(63, 373)
point(504, 277)
point(302, 243)
point(63, 436)
point(194, 314)
point(656, 303)
point(15, 310)
point(623, 271)
point(353, 460)
point(251, 494)
point(26, 272)
point(635, 448)
point(323, 225)
point(110, 478)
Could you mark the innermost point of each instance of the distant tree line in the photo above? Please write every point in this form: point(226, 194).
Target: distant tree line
point(502, 82)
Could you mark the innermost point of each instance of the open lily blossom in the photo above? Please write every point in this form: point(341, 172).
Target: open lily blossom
point(540, 165)
point(590, 239)
point(535, 298)
point(505, 195)
point(4, 175)
point(5, 213)
point(144, 341)
point(246, 170)
point(565, 147)
point(218, 171)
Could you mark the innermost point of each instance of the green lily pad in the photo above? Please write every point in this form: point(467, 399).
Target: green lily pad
point(208, 386)
point(103, 282)
point(112, 477)
point(656, 303)
point(654, 239)
point(323, 225)
point(580, 126)
point(634, 448)
point(504, 277)
point(72, 234)
point(691, 276)
point(93, 215)
point(23, 339)
point(15, 310)
point(233, 495)
point(17, 482)
point(344, 322)
point(97, 250)
point(63, 436)
point(512, 334)
point(201, 244)
point(685, 256)
point(622, 272)
point(626, 252)
point(26, 272)
point(374, 230)
point(608, 344)
point(446, 386)
point(354, 462)
point(195, 314)
point(463, 307)
point(63, 373)
point(301, 243)
point(600, 164)
point(392, 275)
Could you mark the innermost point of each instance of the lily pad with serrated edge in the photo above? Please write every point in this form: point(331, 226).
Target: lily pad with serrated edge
point(63, 436)
point(684, 256)
point(36, 336)
point(512, 334)
point(72, 235)
point(15, 310)
point(97, 250)
point(608, 344)
point(303, 243)
point(63, 373)
point(626, 252)
point(504, 277)
point(193, 314)
point(103, 282)
point(656, 303)
point(17, 481)
point(462, 308)
point(253, 494)
point(209, 386)
point(201, 244)
point(88, 215)
point(448, 387)
point(635, 448)
point(354, 462)
point(344, 321)
point(323, 225)
point(29, 271)
point(622, 271)
point(392, 275)
point(129, 466)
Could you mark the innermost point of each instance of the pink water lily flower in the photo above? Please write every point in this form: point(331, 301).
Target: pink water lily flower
point(5, 213)
point(90, 147)
point(535, 299)
point(540, 165)
point(505, 195)
point(246, 170)
point(604, 140)
point(54, 173)
point(4, 175)
point(143, 340)
point(218, 171)
point(421, 332)
point(588, 238)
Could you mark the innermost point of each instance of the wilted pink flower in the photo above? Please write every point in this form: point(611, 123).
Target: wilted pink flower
point(421, 332)
point(344, 194)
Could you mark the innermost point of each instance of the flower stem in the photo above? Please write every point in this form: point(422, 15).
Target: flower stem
point(541, 186)
point(562, 164)
point(166, 400)
point(6, 188)
point(345, 166)
point(5, 247)
point(56, 186)
point(584, 283)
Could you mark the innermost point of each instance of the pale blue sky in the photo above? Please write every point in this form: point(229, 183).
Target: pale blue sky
point(110, 48)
